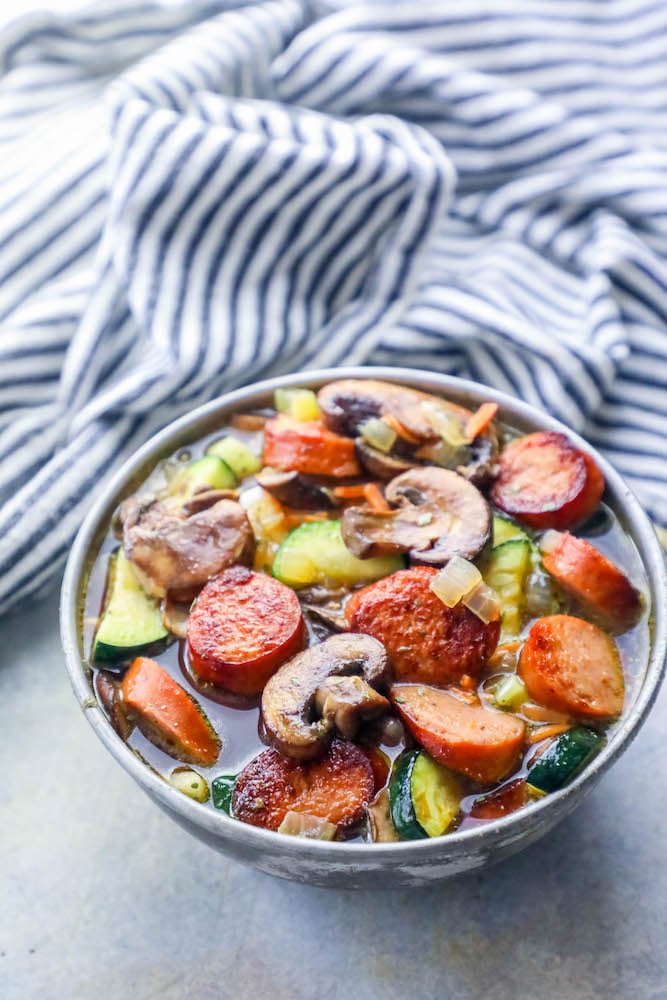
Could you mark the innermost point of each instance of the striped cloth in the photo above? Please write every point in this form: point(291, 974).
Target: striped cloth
point(200, 194)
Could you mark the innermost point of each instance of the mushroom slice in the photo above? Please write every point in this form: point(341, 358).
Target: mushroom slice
point(289, 710)
point(348, 403)
point(176, 554)
point(440, 515)
point(347, 702)
point(293, 490)
point(377, 464)
point(205, 499)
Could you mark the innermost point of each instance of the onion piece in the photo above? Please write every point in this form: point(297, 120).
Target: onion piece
point(483, 602)
point(378, 434)
point(297, 824)
point(455, 581)
point(445, 423)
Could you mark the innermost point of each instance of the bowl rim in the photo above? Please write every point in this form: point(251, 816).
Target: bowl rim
point(216, 822)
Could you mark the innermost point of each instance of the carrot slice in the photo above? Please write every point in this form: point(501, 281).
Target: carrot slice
point(480, 420)
point(242, 628)
point(475, 741)
point(592, 578)
point(307, 446)
point(572, 666)
point(336, 787)
point(167, 715)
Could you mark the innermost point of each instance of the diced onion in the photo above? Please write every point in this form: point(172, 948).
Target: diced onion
point(298, 824)
point(378, 434)
point(455, 581)
point(483, 602)
point(445, 423)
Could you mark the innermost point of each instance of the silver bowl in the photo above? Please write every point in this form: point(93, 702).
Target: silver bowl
point(356, 865)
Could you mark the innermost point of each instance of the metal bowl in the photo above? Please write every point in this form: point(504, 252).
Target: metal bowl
point(356, 865)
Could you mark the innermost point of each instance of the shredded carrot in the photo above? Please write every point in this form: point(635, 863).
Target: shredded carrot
point(468, 683)
point(536, 713)
point(375, 499)
point(401, 430)
point(546, 732)
point(351, 492)
point(294, 519)
point(480, 420)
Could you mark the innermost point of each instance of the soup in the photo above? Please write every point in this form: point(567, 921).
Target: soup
point(367, 614)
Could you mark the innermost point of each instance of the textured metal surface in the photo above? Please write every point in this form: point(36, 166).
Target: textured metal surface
point(352, 865)
point(104, 898)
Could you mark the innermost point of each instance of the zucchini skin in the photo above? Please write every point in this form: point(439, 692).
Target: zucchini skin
point(506, 571)
point(125, 598)
point(400, 798)
point(316, 553)
point(236, 455)
point(565, 758)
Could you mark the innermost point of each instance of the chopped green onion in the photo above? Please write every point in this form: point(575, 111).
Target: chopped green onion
point(378, 434)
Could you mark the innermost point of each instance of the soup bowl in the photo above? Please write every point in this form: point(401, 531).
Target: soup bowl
point(340, 864)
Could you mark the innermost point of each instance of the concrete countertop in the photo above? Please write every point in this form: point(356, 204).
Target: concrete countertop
point(103, 896)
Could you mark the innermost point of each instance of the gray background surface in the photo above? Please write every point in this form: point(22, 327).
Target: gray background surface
point(104, 897)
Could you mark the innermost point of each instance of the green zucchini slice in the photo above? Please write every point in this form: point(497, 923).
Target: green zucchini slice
point(316, 553)
point(424, 797)
point(564, 759)
point(506, 530)
point(131, 623)
point(236, 455)
point(506, 571)
point(209, 472)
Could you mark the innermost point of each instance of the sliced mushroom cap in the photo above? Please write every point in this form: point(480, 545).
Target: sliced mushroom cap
point(348, 403)
point(294, 490)
point(289, 712)
point(176, 554)
point(440, 515)
point(378, 464)
point(348, 701)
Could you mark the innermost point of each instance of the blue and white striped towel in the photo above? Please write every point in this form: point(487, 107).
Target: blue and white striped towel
point(196, 195)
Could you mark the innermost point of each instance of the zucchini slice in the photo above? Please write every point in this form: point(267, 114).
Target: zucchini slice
point(506, 571)
point(236, 455)
point(131, 623)
point(506, 530)
point(424, 797)
point(316, 553)
point(207, 472)
point(564, 758)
